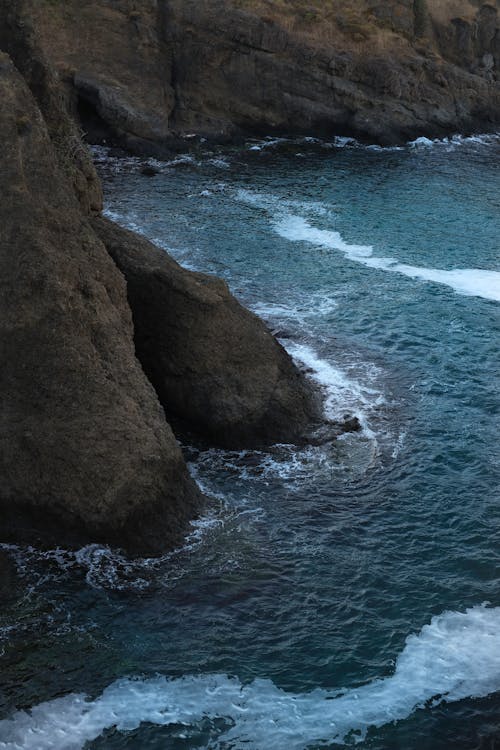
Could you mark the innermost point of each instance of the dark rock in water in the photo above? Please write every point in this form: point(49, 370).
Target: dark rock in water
point(149, 170)
point(216, 367)
point(8, 579)
point(350, 424)
point(84, 447)
point(330, 430)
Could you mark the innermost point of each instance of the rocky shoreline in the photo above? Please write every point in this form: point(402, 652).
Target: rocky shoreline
point(94, 319)
point(144, 74)
point(106, 342)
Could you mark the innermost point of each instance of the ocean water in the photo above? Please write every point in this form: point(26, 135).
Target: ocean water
point(330, 596)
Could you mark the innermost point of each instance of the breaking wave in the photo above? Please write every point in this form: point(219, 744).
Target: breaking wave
point(469, 281)
point(456, 656)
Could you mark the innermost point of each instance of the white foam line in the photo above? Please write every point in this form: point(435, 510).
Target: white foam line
point(469, 281)
point(450, 143)
point(456, 656)
point(342, 392)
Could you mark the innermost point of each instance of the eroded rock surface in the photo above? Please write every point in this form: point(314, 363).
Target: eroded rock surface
point(20, 40)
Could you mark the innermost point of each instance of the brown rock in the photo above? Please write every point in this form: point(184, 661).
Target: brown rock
point(216, 367)
point(84, 447)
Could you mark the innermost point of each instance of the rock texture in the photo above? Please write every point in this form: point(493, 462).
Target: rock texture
point(84, 446)
point(382, 70)
point(216, 367)
point(19, 39)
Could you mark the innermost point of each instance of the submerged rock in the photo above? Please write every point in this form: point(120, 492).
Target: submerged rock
point(149, 170)
point(216, 367)
point(85, 452)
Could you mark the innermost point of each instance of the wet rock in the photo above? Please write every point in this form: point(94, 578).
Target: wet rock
point(216, 367)
point(330, 430)
point(85, 452)
point(350, 424)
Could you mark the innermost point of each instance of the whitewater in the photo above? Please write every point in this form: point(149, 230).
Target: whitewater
point(297, 228)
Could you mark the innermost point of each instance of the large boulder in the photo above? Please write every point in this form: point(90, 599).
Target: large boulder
point(216, 367)
point(85, 452)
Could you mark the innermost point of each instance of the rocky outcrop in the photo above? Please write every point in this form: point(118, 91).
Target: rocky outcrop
point(216, 367)
point(85, 452)
point(363, 74)
point(382, 70)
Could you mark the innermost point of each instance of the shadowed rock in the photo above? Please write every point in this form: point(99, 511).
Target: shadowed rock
point(216, 367)
point(84, 446)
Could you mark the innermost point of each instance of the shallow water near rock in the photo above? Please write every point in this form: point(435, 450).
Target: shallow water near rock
point(331, 595)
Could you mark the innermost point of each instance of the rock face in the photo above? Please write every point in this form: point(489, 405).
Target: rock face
point(216, 367)
point(84, 446)
point(19, 39)
point(358, 69)
point(382, 70)
point(112, 56)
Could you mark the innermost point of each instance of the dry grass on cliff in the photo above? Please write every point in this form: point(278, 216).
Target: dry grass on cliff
point(345, 24)
point(299, 15)
point(353, 20)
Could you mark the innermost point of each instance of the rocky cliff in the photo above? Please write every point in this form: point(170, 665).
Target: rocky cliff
point(98, 326)
point(86, 453)
point(84, 446)
point(140, 71)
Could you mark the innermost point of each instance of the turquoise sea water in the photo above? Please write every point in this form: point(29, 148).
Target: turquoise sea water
point(330, 596)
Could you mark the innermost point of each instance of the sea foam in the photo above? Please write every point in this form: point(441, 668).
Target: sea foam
point(469, 281)
point(456, 656)
point(343, 393)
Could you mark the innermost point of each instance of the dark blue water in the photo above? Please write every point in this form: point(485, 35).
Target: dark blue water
point(329, 595)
